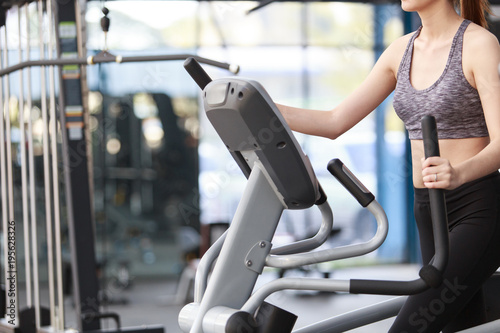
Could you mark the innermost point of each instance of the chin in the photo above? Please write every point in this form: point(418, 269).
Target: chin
point(408, 6)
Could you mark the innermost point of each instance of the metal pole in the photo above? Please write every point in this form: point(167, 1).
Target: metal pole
point(24, 176)
point(31, 161)
point(46, 168)
point(55, 174)
point(3, 171)
point(74, 152)
point(9, 229)
point(105, 57)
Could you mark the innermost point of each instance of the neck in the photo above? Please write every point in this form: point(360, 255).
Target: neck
point(439, 20)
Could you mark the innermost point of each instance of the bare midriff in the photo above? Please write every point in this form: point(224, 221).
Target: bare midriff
point(455, 150)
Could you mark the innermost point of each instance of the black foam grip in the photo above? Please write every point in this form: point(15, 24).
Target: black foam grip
point(437, 200)
point(198, 74)
point(350, 182)
point(386, 287)
point(430, 136)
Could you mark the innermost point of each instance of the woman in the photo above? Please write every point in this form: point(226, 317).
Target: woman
point(449, 69)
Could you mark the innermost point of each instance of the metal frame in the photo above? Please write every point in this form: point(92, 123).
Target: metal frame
point(76, 171)
point(254, 224)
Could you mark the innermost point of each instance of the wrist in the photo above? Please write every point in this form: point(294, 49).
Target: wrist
point(460, 176)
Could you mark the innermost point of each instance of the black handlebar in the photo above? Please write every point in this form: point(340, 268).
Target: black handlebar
point(197, 72)
point(429, 134)
point(430, 274)
point(350, 182)
point(437, 200)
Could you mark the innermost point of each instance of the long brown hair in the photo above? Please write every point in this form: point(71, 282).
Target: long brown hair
point(474, 10)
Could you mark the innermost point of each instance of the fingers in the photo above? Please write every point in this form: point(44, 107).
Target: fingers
point(432, 178)
point(436, 181)
point(432, 166)
point(436, 172)
point(433, 161)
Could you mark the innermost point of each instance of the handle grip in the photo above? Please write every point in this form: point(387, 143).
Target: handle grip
point(350, 182)
point(436, 197)
point(197, 72)
point(429, 134)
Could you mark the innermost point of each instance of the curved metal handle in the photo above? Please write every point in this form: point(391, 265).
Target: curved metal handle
point(314, 242)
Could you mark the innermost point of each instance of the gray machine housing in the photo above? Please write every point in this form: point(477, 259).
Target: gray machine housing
point(258, 130)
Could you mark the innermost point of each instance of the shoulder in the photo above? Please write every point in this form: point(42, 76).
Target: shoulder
point(477, 38)
point(393, 54)
point(481, 53)
point(400, 44)
point(481, 56)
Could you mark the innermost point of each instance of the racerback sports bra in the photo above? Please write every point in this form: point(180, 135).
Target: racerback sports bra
point(451, 99)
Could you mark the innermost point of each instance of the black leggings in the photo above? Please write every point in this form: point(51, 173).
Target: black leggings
point(473, 218)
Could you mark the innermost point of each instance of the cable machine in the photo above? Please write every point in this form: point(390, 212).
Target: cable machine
point(65, 177)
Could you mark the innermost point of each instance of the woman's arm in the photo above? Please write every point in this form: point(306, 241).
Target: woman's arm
point(487, 81)
point(376, 87)
point(482, 57)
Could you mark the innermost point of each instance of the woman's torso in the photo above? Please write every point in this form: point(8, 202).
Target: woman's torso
point(428, 64)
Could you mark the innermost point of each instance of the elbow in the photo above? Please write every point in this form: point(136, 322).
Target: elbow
point(331, 126)
point(332, 135)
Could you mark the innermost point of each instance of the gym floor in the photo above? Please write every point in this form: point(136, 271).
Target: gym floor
point(148, 301)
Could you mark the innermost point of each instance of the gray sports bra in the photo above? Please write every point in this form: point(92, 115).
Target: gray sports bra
point(451, 99)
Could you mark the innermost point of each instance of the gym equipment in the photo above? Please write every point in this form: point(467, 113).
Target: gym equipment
point(281, 177)
point(59, 26)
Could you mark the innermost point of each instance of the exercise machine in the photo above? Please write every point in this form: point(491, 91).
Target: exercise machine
point(58, 83)
point(281, 177)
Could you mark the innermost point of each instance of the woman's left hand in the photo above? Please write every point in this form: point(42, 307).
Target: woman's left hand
point(437, 172)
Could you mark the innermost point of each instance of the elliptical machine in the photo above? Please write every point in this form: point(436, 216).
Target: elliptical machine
point(281, 177)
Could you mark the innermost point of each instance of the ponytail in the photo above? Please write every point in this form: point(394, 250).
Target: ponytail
point(475, 11)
